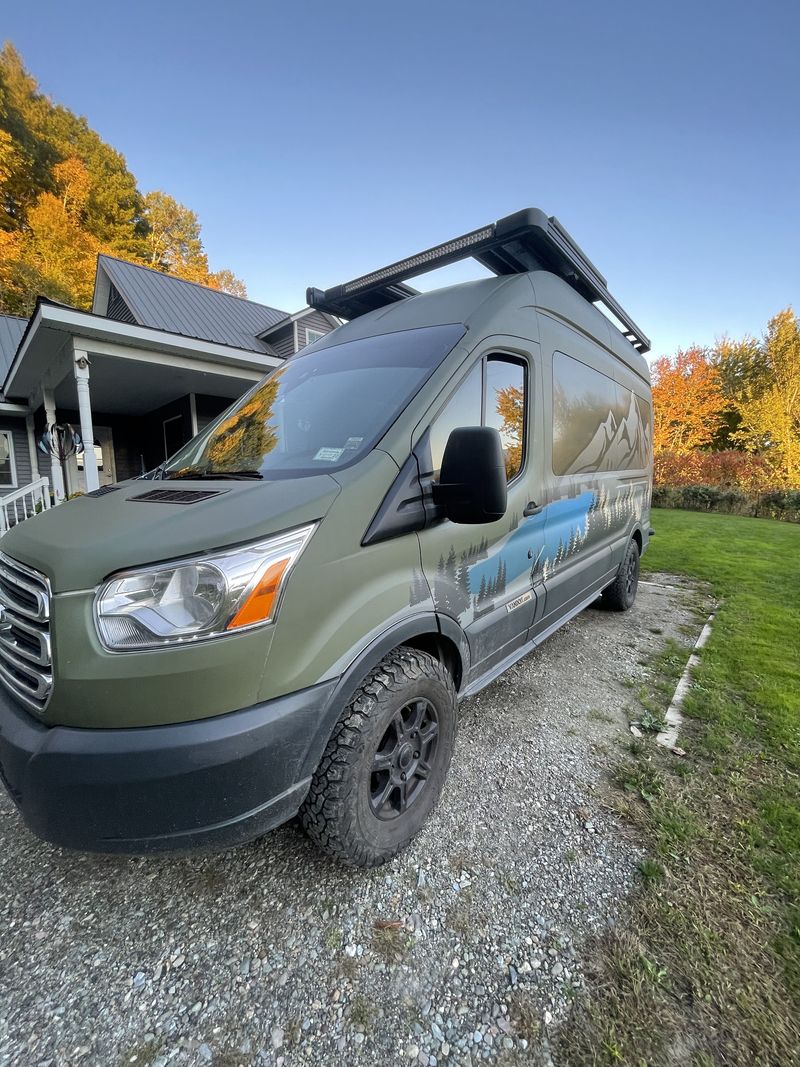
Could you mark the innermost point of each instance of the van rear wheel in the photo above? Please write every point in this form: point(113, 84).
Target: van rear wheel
point(620, 595)
point(384, 767)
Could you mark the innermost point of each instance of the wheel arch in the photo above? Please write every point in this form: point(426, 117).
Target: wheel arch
point(437, 635)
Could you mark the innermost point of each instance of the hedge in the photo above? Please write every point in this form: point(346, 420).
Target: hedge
point(781, 504)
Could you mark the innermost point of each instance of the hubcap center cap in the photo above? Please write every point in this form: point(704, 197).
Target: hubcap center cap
point(405, 757)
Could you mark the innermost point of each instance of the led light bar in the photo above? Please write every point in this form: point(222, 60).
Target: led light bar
point(525, 241)
point(433, 257)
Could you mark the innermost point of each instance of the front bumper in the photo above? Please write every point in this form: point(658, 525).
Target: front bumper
point(215, 782)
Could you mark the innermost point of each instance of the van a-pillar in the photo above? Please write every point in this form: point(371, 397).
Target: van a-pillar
point(81, 371)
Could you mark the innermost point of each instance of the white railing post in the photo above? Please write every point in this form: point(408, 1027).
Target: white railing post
point(24, 502)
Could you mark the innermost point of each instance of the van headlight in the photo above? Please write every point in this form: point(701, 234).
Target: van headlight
point(190, 600)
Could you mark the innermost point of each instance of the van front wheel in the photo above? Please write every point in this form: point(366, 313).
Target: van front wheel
point(620, 595)
point(384, 767)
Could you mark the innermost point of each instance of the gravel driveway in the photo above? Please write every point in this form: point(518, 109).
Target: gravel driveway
point(466, 948)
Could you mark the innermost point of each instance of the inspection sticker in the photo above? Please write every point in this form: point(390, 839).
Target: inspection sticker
point(329, 454)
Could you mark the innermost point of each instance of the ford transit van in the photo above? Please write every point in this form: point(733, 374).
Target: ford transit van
point(283, 618)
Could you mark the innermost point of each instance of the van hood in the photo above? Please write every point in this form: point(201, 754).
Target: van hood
point(82, 541)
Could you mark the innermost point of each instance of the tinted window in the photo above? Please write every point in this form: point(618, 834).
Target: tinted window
point(504, 408)
point(492, 394)
point(598, 425)
point(462, 409)
point(321, 410)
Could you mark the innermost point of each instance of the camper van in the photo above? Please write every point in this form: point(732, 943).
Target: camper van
point(286, 615)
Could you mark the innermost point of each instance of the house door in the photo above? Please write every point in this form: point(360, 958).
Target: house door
point(104, 454)
point(481, 575)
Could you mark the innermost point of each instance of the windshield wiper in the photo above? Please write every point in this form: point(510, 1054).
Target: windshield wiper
point(213, 475)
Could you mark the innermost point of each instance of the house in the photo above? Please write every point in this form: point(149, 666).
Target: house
point(154, 361)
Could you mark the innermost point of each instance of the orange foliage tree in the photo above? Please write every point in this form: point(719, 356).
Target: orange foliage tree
point(687, 401)
point(247, 435)
point(510, 407)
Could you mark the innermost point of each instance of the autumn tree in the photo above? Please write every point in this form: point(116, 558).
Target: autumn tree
point(510, 406)
point(741, 365)
point(687, 401)
point(227, 282)
point(769, 403)
point(173, 237)
point(66, 195)
point(243, 440)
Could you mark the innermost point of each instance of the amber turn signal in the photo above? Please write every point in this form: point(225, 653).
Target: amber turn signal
point(259, 604)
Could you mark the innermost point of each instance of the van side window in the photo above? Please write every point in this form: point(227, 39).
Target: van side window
point(462, 409)
point(492, 394)
point(505, 402)
point(598, 424)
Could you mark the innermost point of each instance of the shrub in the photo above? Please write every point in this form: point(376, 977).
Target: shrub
point(778, 504)
point(731, 468)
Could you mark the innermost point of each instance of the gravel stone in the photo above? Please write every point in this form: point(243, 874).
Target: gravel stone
point(269, 952)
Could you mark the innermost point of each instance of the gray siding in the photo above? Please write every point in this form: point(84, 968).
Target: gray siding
point(283, 338)
point(314, 320)
point(117, 308)
point(282, 342)
point(22, 455)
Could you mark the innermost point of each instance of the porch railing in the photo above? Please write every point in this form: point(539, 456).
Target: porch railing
point(23, 503)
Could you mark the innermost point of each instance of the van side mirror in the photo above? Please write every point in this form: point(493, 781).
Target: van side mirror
point(472, 483)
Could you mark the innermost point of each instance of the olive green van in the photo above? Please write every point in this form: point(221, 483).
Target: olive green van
point(283, 618)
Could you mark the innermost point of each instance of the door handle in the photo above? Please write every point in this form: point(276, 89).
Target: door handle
point(531, 508)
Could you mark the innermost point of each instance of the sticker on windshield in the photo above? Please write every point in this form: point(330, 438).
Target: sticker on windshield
point(329, 454)
point(352, 443)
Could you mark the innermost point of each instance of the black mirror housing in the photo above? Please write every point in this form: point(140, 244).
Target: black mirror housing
point(472, 485)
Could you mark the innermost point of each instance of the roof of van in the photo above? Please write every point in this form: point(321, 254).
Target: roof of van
point(502, 305)
point(520, 244)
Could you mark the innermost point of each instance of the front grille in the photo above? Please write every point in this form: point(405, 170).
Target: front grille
point(26, 662)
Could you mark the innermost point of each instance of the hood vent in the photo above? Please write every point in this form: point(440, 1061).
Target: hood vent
point(175, 496)
point(103, 490)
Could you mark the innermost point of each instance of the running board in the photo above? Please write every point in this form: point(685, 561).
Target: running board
point(514, 657)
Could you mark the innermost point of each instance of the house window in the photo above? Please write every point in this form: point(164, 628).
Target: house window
point(98, 456)
point(313, 335)
point(8, 470)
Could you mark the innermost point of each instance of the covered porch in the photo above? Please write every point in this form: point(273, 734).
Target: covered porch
point(136, 394)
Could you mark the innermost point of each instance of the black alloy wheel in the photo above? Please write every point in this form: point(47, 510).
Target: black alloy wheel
point(402, 764)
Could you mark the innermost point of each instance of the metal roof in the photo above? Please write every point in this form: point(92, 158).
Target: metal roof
point(11, 330)
point(168, 303)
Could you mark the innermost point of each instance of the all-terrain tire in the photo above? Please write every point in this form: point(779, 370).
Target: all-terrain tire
point(342, 812)
point(620, 595)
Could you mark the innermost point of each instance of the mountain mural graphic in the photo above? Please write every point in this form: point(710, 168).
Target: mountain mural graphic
point(616, 445)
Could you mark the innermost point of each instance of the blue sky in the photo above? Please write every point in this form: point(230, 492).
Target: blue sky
point(317, 141)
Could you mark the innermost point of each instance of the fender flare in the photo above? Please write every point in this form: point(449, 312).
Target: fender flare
point(422, 624)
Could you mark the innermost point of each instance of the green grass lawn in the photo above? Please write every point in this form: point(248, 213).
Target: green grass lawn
point(707, 970)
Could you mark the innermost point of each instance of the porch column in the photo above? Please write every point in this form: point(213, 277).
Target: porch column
point(81, 371)
point(29, 427)
point(56, 477)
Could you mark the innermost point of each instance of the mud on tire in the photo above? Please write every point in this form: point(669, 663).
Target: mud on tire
point(384, 767)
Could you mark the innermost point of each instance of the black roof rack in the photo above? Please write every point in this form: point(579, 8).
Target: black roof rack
point(527, 240)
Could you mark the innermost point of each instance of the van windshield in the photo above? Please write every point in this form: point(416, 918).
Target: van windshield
point(321, 411)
